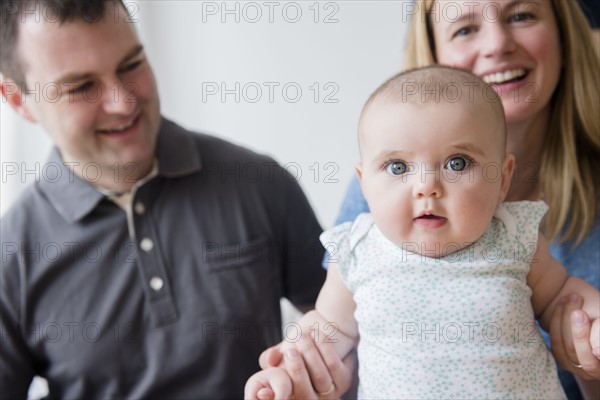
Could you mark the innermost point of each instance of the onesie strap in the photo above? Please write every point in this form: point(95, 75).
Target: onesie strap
point(359, 229)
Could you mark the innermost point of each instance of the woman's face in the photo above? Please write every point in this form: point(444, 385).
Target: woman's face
point(512, 44)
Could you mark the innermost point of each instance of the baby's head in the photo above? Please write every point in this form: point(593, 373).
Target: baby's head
point(433, 158)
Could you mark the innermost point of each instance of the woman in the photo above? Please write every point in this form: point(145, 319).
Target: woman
point(539, 57)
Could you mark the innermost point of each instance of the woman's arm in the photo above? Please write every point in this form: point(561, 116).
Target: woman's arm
point(568, 308)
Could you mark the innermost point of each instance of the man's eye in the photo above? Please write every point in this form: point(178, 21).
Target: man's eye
point(458, 163)
point(130, 67)
point(396, 168)
point(82, 88)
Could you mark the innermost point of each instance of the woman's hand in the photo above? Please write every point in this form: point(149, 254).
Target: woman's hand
point(315, 369)
point(570, 330)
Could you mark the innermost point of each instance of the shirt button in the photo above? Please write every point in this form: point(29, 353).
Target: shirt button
point(139, 208)
point(156, 283)
point(146, 244)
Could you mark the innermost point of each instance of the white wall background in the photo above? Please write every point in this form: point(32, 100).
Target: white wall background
point(343, 48)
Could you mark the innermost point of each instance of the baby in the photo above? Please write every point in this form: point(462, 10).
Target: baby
point(442, 282)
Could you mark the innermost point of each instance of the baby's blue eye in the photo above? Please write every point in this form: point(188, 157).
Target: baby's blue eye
point(396, 168)
point(457, 163)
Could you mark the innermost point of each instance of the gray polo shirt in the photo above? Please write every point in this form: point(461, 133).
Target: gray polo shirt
point(181, 309)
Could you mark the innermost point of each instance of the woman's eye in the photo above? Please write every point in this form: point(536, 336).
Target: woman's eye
point(522, 17)
point(396, 168)
point(458, 163)
point(463, 31)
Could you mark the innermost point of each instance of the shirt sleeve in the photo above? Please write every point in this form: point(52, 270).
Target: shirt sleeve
point(303, 274)
point(591, 9)
point(526, 216)
point(353, 205)
point(16, 365)
point(336, 242)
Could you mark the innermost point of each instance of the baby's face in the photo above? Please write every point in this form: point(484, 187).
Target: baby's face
point(433, 173)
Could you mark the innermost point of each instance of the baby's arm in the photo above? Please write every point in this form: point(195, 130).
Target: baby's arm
point(333, 319)
point(550, 282)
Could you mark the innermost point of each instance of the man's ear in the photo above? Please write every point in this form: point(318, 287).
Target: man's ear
point(508, 167)
point(14, 96)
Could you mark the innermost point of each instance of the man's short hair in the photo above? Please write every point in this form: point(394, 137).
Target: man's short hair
point(13, 12)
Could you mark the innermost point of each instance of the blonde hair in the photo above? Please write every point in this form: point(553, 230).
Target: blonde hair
point(569, 170)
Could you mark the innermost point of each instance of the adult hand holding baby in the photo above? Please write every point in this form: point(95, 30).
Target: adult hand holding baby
point(306, 361)
point(575, 340)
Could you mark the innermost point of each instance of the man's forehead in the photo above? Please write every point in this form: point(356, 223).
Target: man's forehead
point(58, 49)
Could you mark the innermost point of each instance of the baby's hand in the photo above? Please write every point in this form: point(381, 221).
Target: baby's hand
point(269, 384)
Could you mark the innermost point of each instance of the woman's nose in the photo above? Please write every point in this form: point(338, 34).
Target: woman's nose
point(497, 40)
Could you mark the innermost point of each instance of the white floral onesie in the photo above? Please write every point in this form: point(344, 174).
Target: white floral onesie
point(458, 327)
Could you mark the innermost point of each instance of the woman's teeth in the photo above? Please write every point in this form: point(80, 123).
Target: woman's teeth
point(501, 77)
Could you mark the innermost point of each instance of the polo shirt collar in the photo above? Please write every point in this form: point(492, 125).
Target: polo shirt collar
point(71, 196)
point(176, 151)
point(74, 198)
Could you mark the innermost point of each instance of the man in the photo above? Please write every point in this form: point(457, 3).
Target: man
point(152, 262)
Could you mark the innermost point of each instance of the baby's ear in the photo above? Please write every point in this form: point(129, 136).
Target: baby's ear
point(359, 174)
point(508, 168)
point(358, 169)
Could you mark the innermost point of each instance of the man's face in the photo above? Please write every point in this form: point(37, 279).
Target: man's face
point(92, 90)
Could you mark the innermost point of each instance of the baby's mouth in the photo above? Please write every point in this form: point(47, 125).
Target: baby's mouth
point(429, 220)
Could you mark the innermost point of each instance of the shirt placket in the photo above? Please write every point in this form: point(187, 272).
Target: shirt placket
point(151, 261)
